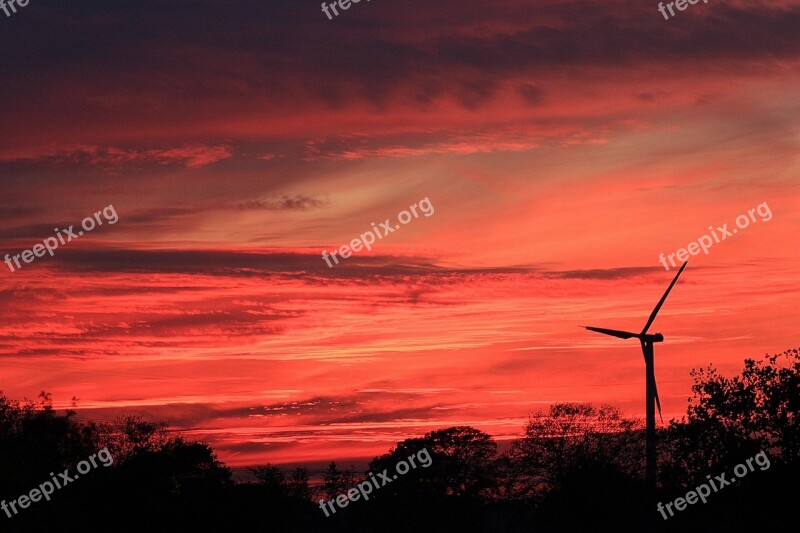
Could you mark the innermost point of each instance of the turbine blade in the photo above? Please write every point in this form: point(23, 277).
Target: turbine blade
point(658, 402)
point(613, 332)
point(662, 300)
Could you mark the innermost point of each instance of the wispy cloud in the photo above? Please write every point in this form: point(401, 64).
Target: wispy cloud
point(191, 156)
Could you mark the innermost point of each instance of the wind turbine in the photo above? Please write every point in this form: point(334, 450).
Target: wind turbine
point(651, 392)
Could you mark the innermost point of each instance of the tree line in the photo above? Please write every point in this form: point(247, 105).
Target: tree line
point(576, 467)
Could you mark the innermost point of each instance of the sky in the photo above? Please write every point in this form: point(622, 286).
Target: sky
point(552, 150)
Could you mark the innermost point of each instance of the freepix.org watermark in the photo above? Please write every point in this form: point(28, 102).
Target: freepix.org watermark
point(343, 5)
point(681, 5)
point(50, 244)
point(5, 4)
point(364, 488)
point(47, 488)
point(385, 228)
point(720, 234)
point(704, 491)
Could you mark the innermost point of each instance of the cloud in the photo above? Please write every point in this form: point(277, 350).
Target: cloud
point(605, 273)
point(282, 203)
point(264, 80)
point(519, 138)
point(191, 156)
point(9, 213)
point(532, 93)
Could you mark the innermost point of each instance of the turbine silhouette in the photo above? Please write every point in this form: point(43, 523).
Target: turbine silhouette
point(651, 391)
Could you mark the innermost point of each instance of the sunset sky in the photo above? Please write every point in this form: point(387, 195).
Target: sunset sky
point(563, 147)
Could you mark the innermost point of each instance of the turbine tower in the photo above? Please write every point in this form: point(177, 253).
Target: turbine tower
point(651, 391)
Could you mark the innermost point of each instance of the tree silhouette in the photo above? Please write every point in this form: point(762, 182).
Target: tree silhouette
point(571, 437)
point(297, 484)
point(444, 496)
point(335, 481)
point(272, 480)
point(128, 436)
point(731, 419)
point(462, 461)
point(33, 437)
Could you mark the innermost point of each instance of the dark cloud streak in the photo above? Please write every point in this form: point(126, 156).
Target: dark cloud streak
point(127, 61)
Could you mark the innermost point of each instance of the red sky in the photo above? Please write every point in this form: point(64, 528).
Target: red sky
point(563, 146)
